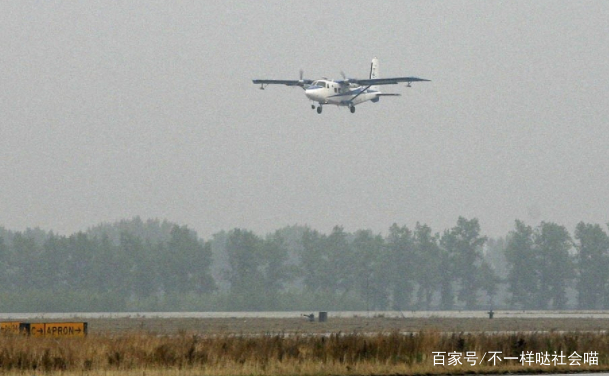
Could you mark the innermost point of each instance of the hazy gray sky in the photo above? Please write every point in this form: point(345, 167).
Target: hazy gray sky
point(115, 109)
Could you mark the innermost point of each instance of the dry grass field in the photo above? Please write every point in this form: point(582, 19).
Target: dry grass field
point(342, 346)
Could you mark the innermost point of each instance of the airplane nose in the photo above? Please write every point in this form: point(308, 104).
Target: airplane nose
point(311, 94)
point(308, 94)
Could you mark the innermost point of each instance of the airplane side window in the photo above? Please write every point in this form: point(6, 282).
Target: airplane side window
point(335, 90)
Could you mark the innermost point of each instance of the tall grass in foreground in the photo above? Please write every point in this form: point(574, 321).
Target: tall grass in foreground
point(278, 354)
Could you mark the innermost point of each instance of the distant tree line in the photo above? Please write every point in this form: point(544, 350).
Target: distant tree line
point(154, 265)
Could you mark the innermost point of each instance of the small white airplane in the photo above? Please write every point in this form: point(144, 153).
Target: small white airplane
point(347, 92)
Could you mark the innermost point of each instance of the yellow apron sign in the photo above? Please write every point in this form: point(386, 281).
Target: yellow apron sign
point(65, 329)
point(11, 327)
point(37, 330)
point(55, 329)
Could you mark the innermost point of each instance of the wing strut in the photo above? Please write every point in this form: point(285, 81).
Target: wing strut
point(358, 94)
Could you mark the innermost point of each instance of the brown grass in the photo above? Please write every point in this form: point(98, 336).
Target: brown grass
point(145, 354)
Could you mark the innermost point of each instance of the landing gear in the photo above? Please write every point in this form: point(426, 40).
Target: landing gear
point(352, 109)
point(319, 109)
point(312, 107)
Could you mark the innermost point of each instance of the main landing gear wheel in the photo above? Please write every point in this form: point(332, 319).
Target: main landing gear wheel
point(352, 109)
point(319, 110)
point(312, 107)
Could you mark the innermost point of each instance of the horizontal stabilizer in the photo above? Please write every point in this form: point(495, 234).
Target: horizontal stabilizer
point(388, 95)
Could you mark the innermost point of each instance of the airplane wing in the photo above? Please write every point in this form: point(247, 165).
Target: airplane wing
point(283, 82)
point(386, 81)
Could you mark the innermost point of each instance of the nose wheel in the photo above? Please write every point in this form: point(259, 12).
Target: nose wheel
point(319, 109)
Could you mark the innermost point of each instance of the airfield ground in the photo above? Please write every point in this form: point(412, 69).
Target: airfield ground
point(236, 325)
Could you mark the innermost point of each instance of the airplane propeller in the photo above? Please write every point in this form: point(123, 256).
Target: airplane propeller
point(346, 80)
point(301, 82)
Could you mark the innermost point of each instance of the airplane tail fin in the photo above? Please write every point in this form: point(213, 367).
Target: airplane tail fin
point(374, 72)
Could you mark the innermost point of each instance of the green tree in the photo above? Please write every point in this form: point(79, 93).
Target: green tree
point(401, 254)
point(141, 272)
point(341, 262)
point(28, 269)
point(592, 259)
point(370, 269)
point(276, 273)
point(523, 277)
point(257, 269)
point(108, 275)
point(243, 248)
point(54, 259)
point(494, 270)
point(185, 263)
point(448, 272)
point(315, 261)
point(488, 280)
point(463, 245)
point(427, 271)
point(80, 251)
point(554, 264)
point(4, 264)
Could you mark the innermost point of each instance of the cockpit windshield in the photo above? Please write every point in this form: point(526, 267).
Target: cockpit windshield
point(319, 83)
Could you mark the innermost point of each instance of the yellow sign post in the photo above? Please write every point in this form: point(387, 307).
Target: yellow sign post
point(54, 329)
point(37, 329)
point(65, 329)
point(9, 327)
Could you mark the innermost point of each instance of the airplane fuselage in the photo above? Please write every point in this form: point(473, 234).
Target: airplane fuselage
point(331, 92)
